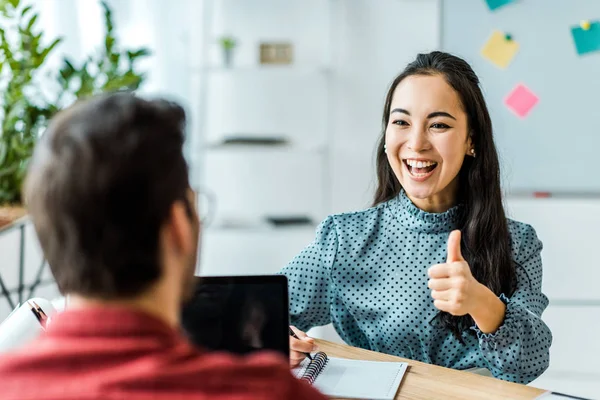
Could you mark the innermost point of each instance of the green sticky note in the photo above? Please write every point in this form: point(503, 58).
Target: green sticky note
point(493, 4)
point(587, 41)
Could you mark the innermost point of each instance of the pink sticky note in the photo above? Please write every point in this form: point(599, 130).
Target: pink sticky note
point(521, 100)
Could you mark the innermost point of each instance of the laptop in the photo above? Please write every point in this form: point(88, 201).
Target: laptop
point(239, 314)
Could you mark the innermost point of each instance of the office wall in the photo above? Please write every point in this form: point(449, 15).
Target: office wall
point(550, 149)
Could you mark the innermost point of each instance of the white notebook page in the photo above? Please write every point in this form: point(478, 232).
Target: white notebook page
point(358, 379)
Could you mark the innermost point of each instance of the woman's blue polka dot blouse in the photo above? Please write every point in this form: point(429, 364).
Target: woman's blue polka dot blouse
point(366, 272)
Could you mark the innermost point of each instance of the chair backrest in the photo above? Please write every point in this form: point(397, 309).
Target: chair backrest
point(22, 326)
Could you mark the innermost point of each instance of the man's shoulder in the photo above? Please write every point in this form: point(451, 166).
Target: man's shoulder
point(214, 375)
point(261, 375)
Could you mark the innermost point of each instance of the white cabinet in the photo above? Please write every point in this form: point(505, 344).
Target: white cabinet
point(570, 231)
point(576, 345)
point(575, 352)
point(256, 251)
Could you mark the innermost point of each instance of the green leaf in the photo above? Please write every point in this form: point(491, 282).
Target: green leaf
point(3, 7)
point(87, 86)
point(31, 23)
point(109, 44)
point(44, 54)
point(14, 3)
point(26, 10)
point(108, 20)
point(143, 52)
point(3, 151)
point(4, 45)
point(69, 64)
point(114, 58)
point(66, 73)
point(8, 170)
point(35, 43)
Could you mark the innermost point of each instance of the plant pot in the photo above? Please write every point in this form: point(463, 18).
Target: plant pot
point(227, 57)
point(11, 213)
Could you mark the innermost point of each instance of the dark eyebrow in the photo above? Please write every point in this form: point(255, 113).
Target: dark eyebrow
point(440, 114)
point(432, 115)
point(400, 110)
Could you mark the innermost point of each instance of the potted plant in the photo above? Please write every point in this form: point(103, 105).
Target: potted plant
point(228, 43)
point(25, 106)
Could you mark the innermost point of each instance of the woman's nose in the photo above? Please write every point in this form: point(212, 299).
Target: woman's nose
point(418, 140)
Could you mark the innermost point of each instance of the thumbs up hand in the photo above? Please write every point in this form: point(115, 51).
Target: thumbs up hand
point(454, 289)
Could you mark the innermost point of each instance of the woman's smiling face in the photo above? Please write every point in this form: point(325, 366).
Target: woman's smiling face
point(427, 140)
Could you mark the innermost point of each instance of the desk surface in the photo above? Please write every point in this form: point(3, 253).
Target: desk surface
point(425, 381)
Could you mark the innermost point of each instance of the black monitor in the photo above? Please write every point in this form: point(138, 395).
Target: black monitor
point(239, 314)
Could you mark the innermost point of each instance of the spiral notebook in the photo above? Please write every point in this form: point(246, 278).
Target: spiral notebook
point(354, 379)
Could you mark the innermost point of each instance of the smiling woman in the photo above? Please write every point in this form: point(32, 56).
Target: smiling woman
point(426, 140)
point(434, 271)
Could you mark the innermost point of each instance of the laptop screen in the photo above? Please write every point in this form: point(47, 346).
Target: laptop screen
point(239, 314)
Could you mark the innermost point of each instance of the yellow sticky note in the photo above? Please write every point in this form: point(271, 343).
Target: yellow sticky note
point(585, 25)
point(500, 50)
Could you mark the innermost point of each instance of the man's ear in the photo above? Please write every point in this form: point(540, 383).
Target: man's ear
point(180, 230)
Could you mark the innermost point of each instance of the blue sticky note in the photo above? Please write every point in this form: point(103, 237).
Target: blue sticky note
point(493, 4)
point(587, 41)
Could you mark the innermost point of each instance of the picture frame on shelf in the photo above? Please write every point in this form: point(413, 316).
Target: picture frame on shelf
point(278, 53)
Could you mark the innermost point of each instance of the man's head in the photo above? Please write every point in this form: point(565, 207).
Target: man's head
point(109, 195)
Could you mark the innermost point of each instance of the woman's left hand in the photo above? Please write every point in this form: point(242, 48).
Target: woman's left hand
point(454, 288)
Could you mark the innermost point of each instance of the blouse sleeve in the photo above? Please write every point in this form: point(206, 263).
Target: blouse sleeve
point(519, 350)
point(309, 279)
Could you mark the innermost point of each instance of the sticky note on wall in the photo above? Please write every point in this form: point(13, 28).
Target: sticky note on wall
point(500, 50)
point(586, 36)
point(521, 100)
point(494, 4)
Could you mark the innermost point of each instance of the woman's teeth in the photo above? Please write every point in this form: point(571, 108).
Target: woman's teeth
point(420, 168)
point(420, 164)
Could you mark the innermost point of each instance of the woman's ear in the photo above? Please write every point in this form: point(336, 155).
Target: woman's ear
point(470, 148)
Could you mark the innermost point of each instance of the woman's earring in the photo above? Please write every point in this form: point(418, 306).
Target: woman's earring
point(385, 148)
point(473, 152)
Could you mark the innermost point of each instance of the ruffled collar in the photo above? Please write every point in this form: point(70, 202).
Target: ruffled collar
point(412, 217)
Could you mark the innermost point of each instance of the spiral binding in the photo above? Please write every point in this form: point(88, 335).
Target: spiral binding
point(315, 367)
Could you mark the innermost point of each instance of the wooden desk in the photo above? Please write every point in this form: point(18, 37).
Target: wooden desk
point(426, 382)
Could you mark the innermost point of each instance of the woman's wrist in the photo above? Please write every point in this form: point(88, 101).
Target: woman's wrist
point(488, 311)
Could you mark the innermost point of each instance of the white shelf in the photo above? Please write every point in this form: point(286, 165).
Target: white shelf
point(267, 104)
point(260, 223)
point(265, 229)
point(252, 148)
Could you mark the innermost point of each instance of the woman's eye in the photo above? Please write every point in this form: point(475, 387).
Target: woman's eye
point(439, 125)
point(400, 122)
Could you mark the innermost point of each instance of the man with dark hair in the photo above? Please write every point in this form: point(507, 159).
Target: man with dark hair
point(109, 196)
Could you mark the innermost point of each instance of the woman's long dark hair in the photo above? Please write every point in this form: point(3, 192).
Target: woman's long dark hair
point(485, 237)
